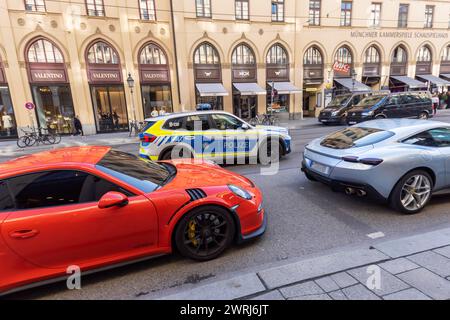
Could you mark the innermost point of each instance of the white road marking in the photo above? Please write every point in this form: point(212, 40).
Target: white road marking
point(376, 235)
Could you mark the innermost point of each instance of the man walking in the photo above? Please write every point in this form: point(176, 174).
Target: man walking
point(78, 126)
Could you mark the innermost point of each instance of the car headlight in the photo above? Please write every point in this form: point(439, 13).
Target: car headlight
point(240, 192)
point(335, 113)
point(367, 113)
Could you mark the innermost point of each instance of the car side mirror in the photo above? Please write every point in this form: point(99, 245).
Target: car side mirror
point(113, 199)
point(245, 127)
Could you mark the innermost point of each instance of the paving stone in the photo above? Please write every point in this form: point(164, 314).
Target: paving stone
point(427, 282)
point(270, 296)
point(445, 251)
point(398, 265)
point(303, 289)
point(359, 292)
point(432, 261)
point(389, 283)
point(234, 288)
point(408, 294)
point(327, 284)
point(337, 295)
point(414, 244)
point(319, 266)
point(343, 279)
point(313, 297)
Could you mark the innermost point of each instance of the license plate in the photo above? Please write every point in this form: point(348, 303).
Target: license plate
point(320, 167)
point(352, 122)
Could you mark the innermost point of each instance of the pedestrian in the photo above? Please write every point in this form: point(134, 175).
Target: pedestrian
point(435, 102)
point(116, 118)
point(78, 126)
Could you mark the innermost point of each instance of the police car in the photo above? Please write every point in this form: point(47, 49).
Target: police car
point(212, 135)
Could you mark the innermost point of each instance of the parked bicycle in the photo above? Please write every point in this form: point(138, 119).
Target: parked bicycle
point(37, 137)
point(264, 119)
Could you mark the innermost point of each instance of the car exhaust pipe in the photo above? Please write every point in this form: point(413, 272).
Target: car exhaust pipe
point(349, 191)
point(361, 193)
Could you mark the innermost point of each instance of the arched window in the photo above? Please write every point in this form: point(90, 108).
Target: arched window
point(43, 51)
point(424, 54)
point(152, 54)
point(102, 53)
point(372, 55)
point(344, 55)
point(446, 54)
point(313, 56)
point(399, 55)
point(242, 54)
point(277, 55)
point(206, 54)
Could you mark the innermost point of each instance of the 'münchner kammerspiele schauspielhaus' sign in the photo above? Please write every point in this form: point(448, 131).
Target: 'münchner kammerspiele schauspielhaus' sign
point(399, 34)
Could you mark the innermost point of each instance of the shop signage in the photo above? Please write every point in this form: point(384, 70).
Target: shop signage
point(50, 76)
point(277, 74)
point(244, 74)
point(29, 106)
point(341, 67)
point(208, 75)
point(399, 34)
point(154, 76)
point(104, 76)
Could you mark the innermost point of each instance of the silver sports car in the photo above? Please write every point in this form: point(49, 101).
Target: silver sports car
point(399, 161)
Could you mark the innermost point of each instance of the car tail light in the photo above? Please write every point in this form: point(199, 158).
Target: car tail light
point(148, 138)
point(368, 161)
point(371, 161)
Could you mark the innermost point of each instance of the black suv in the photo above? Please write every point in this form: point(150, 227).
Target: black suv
point(415, 104)
point(336, 111)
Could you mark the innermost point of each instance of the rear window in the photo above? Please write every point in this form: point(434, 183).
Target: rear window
point(355, 137)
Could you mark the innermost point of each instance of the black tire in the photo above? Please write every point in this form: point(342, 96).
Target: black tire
point(266, 155)
point(398, 192)
point(212, 240)
point(310, 177)
point(424, 115)
point(183, 153)
point(23, 142)
point(380, 116)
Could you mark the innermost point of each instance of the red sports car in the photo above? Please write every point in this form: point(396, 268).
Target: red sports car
point(95, 207)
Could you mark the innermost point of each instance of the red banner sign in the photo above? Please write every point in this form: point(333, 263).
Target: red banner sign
point(341, 67)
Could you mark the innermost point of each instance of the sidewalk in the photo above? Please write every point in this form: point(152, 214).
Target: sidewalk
point(410, 268)
point(10, 148)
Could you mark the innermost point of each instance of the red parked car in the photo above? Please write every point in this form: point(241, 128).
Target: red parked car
point(95, 207)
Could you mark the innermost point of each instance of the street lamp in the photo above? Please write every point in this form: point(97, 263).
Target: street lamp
point(130, 82)
point(353, 79)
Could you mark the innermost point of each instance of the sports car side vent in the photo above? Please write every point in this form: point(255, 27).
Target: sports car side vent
point(196, 194)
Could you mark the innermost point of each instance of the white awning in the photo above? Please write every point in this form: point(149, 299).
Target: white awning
point(353, 85)
point(446, 75)
point(249, 89)
point(211, 90)
point(410, 82)
point(435, 80)
point(285, 87)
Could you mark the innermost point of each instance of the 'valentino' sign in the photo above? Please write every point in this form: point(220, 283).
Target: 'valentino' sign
point(48, 76)
point(105, 76)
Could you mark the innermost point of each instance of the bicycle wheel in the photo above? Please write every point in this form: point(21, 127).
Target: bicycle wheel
point(57, 138)
point(31, 141)
point(48, 139)
point(22, 142)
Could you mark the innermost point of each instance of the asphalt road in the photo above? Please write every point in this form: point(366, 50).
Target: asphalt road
point(304, 218)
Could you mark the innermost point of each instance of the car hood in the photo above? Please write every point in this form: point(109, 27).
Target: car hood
point(200, 174)
point(331, 109)
point(273, 129)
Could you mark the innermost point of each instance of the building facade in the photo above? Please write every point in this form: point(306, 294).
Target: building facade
point(74, 57)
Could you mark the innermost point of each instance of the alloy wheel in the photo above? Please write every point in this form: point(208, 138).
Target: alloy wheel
point(416, 192)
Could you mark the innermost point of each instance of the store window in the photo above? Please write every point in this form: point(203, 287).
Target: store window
point(155, 81)
point(277, 71)
point(50, 86)
point(35, 5)
point(424, 61)
point(8, 127)
point(399, 62)
point(314, 12)
point(106, 86)
point(346, 13)
point(147, 8)
point(313, 66)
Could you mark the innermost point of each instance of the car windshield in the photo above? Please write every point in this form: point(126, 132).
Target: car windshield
point(355, 137)
point(370, 101)
point(339, 101)
point(143, 174)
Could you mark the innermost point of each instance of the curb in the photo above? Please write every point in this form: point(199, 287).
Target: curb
point(267, 280)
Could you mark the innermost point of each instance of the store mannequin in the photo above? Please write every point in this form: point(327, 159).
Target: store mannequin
point(7, 123)
point(154, 113)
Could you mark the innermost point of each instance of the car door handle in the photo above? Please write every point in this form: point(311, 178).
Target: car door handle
point(24, 234)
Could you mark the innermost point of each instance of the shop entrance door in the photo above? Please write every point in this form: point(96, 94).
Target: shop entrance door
point(110, 108)
point(245, 107)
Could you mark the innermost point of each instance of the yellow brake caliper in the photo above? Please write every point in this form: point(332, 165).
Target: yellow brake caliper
point(191, 232)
